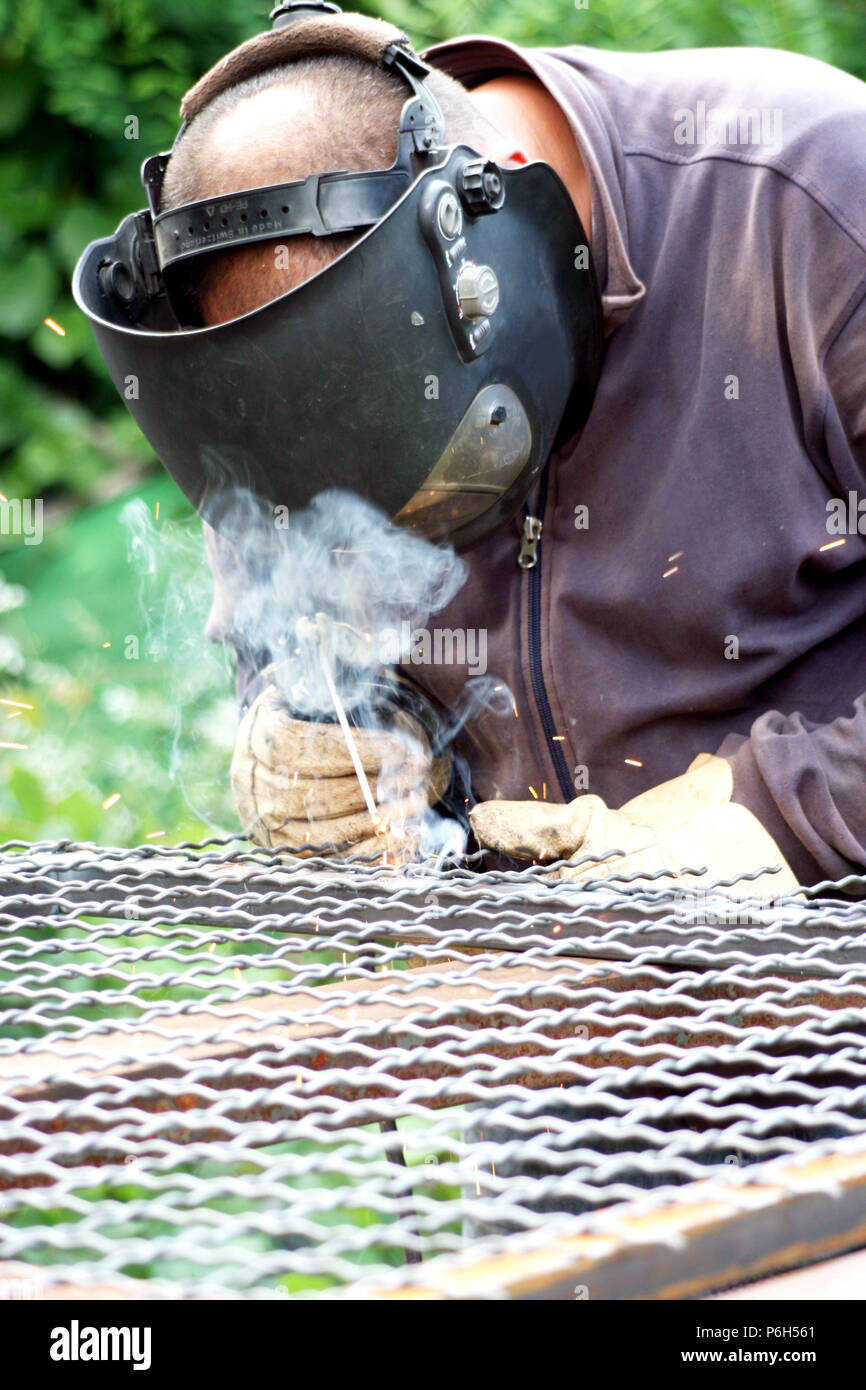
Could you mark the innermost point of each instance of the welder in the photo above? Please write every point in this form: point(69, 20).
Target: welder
point(599, 320)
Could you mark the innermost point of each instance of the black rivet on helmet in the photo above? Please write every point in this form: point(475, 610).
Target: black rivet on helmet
point(498, 414)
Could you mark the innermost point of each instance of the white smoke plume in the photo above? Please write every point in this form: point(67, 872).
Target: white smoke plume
point(320, 594)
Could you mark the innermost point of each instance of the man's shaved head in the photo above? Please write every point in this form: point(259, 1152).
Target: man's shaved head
point(309, 116)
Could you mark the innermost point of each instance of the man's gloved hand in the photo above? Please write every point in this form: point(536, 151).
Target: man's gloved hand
point(687, 823)
point(295, 786)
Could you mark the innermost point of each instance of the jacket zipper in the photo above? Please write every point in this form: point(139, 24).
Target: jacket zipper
point(530, 559)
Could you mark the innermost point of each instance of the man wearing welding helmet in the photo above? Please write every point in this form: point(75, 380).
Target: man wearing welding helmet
point(638, 283)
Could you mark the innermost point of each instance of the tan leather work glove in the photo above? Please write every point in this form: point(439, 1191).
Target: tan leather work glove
point(295, 785)
point(687, 823)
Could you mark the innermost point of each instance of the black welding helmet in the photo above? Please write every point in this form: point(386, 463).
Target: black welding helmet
point(430, 368)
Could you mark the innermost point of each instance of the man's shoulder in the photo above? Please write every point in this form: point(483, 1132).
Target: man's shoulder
point(644, 88)
point(809, 90)
point(758, 107)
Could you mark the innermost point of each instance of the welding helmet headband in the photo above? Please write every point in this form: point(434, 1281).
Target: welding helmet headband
point(430, 368)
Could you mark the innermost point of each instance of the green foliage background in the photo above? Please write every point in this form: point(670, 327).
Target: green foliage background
point(158, 727)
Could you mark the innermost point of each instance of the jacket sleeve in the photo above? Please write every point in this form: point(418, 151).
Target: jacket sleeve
point(806, 782)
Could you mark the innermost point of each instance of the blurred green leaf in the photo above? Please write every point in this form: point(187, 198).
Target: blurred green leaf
point(19, 87)
point(61, 350)
point(25, 197)
point(77, 224)
point(26, 789)
point(27, 288)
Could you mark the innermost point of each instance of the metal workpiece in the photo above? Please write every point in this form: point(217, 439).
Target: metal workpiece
point(232, 1073)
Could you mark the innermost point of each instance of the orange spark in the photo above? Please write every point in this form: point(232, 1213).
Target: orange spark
point(831, 545)
point(55, 327)
point(534, 792)
point(634, 762)
point(17, 704)
point(111, 801)
point(674, 570)
point(4, 744)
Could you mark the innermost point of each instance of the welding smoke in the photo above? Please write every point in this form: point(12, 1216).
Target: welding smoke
point(341, 558)
point(328, 598)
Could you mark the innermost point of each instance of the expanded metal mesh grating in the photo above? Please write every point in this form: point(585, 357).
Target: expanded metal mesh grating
point(225, 1074)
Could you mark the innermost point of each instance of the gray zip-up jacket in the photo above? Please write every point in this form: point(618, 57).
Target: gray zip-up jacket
point(700, 584)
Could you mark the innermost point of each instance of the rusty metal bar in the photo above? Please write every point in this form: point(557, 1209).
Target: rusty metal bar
point(708, 1236)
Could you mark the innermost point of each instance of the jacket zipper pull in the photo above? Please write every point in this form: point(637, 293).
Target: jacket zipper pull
point(528, 557)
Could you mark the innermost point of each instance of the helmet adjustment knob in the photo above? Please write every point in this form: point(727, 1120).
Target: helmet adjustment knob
point(117, 282)
point(449, 215)
point(482, 187)
point(477, 291)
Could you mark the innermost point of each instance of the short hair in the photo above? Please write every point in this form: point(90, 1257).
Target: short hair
point(350, 117)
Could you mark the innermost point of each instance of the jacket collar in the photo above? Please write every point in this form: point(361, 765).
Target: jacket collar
point(476, 57)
